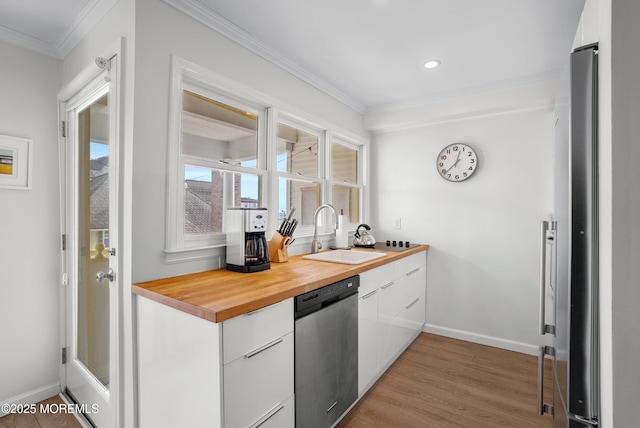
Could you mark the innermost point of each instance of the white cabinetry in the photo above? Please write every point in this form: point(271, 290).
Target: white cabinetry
point(193, 372)
point(258, 368)
point(392, 312)
point(179, 368)
point(240, 373)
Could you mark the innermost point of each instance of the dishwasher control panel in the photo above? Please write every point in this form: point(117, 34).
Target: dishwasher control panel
point(317, 299)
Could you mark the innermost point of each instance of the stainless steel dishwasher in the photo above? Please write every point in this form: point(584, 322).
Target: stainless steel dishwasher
point(326, 353)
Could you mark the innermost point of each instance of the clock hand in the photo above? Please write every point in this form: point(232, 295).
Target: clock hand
point(454, 164)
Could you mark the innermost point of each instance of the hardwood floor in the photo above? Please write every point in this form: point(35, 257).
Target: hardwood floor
point(437, 383)
point(41, 420)
point(441, 382)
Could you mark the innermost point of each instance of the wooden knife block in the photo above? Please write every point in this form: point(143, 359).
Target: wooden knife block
point(278, 252)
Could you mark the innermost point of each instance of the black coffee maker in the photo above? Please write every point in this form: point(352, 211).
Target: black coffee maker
point(247, 249)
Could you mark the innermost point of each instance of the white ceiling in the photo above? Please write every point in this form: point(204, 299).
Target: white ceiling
point(367, 53)
point(52, 27)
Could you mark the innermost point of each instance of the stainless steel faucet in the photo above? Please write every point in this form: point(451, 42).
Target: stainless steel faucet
point(315, 245)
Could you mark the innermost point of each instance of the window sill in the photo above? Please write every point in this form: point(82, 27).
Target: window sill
point(199, 253)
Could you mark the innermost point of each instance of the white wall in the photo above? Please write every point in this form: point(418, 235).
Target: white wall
point(625, 216)
point(162, 31)
point(483, 263)
point(30, 229)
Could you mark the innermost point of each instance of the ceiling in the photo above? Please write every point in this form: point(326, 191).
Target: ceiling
point(369, 54)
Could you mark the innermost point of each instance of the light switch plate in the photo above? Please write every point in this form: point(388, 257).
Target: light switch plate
point(397, 223)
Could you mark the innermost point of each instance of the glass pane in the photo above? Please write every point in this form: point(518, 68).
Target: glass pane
point(302, 195)
point(344, 161)
point(92, 306)
point(346, 200)
point(216, 131)
point(209, 192)
point(297, 151)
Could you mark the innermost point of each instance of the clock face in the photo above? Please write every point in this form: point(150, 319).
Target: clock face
point(457, 162)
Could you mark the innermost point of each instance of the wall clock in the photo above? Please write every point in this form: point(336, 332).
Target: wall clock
point(457, 162)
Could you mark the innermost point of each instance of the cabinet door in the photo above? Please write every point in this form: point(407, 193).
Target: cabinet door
point(367, 338)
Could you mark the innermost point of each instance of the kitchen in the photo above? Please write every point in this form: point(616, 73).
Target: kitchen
point(463, 259)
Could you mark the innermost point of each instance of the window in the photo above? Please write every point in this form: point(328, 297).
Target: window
point(229, 148)
point(297, 163)
point(346, 181)
point(219, 161)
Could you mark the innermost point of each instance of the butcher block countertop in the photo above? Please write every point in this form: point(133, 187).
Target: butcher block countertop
point(218, 295)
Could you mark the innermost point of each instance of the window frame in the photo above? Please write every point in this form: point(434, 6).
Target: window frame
point(360, 150)
point(270, 112)
point(301, 124)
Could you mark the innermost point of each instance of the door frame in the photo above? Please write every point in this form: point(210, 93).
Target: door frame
point(86, 83)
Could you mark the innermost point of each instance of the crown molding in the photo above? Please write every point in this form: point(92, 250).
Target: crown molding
point(86, 20)
point(82, 24)
point(216, 22)
point(28, 42)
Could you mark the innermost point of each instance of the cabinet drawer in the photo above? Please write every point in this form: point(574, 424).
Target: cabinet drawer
point(245, 333)
point(256, 384)
point(392, 297)
point(410, 321)
point(375, 278)
point(367, 338)
point(415, 283)
point(280, 416)
point(410, 263)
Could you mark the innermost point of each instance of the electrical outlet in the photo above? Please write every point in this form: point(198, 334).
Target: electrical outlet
point(397, 223)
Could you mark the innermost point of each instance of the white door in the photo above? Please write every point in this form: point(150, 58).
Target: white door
point(89, 151)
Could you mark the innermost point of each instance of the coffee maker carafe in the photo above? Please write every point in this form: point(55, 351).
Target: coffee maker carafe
point(247, 249)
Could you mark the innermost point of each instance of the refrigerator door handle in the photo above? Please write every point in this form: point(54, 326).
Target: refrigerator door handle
point(583, 420)
point(542, 406)
point(547, 238)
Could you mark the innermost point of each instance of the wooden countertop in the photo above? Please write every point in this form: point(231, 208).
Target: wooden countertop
point(218, 295)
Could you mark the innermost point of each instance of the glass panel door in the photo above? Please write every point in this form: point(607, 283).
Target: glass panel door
point(92, 306)
point(91, 200)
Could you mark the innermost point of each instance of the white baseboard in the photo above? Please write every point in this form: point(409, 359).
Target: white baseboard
point(482, 339)
point(32, 397)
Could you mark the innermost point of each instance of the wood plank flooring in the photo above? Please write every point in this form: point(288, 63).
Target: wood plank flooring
point(440, 382)
point(437, 382)
point(41, 420)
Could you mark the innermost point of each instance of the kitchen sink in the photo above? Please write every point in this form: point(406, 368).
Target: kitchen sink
point(350, 257)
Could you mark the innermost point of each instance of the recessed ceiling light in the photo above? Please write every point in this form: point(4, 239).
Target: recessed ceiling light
point(432, 63)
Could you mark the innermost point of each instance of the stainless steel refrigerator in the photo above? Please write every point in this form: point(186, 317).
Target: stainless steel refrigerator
point(569, 256)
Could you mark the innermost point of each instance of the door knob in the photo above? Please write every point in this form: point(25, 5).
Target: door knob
point(110, 275)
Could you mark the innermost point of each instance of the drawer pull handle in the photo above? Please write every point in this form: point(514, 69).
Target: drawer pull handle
point(366, 296)
point(263, 309)
point(387, 285)
point(413, 271)
point(412, 303)
point(268, 416)
point(263, 348)
point(332, 406)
